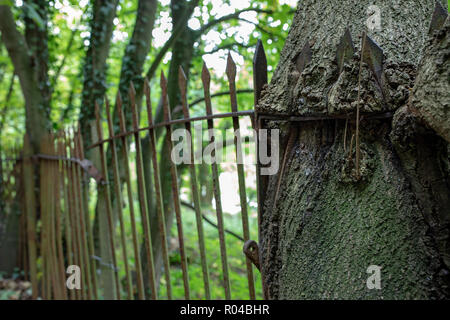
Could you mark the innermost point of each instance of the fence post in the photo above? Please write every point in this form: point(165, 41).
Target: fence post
point(175, 187)
point(158, 193)
point(194, 186)
point(134, 231)
point(118, 195)
point(206, 79)
point(231, 73)
point(142, 193)
point(259, 81)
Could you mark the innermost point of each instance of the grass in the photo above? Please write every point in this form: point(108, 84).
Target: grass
point(236, 260)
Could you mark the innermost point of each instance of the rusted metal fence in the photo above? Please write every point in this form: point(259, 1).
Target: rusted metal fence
point(58, 220)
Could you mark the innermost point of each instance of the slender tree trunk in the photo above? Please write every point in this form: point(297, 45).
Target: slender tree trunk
point(37, 121)
point(36, 36)
point(94, 73)
point(132, 68)
point(29, 56)
point(324, 222)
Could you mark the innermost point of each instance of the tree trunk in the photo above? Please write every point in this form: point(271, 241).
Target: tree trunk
point(94, 71)
point(37, 121)
point(324, 222)
point(36, 35)
point(29, 56)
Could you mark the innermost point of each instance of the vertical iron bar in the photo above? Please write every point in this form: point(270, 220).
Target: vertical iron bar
point(76, 212)
point(137, 256)
point(90, 235)
point(175, 190)
point(231, 73)
point(194, 186)
point(206, 79)
point(72, 207)
point(58, 214)
point(108, 200)
point(54, 211)
point(142, 194)
point(30, 206)
point(51, 220)
point(67, 225)
point(81, 217)
point(44, 223)
point(259, 81)
point(159, 201)
point(72, 212)
point(118, 195)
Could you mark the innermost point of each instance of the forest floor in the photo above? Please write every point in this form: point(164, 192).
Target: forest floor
point(14, 289)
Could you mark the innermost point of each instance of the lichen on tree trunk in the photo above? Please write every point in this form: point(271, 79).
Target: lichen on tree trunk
point(324, 227)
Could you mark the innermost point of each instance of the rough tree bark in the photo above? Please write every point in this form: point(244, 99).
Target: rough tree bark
point(322, 226)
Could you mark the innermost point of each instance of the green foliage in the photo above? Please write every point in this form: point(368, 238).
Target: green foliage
point(6, 3)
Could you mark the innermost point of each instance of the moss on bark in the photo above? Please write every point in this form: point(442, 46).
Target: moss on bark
point(323, 227)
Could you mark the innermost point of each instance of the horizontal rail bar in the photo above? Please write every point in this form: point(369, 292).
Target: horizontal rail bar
point(44, 157)
point(319, 117)
point(266, 116)
point(172, 122)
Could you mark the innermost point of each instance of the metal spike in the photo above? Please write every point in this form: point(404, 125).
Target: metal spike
point(163, 82)
point(345, 50)
point(120, 113)
point(166, 109)
point(134, 113)
point(107, 107)
point(231, 67)
point(119, 100)
point(439, 17)
point(182, 82)
point(303, 58)
point(132, 89)
point(97, 114)
point(108, 117)
point(146, 87)
point(206, 80)
point(373, 55)
point(259, 71)
point(148, 101)
point(206, 76)
point(132, 93)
